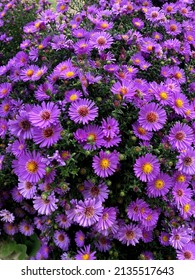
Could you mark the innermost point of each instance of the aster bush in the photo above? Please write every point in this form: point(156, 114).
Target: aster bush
point(97, 131)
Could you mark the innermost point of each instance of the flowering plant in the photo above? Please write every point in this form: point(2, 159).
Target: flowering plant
point(97, 132)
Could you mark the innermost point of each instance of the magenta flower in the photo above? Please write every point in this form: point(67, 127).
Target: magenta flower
point(159, 186)
point(181, 136)
point(80, 238)
point(98, 191)
point(147, 167)
point(31, 167)
point(45, 206)
point(88, 212)
point(85, 254)
point(5, 89)
point(48, 136)
point(44, 115)
point(101, 40)
point(179, 237)
point(26, 228)
point(61, 239)
point(129, 234)
point(152, 117)
point(105, 164)
point(83, 111)
point(186, 162)
point(187, 252)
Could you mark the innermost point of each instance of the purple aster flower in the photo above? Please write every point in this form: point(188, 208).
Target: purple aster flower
point(105, 164)
point(98, 191)
point(101, 40)
point(186, 162)
point(26, 228)
point(141, 132)
point(173, 27)
point(10, 228)
point(28, 73)
point(82, 47)
point(179, 237)
point(47, 136)
point(152, 117)
point(129, 234)
point(159, 186)
point(45, 206)
point(124, 88)
point(60, 42)
point(187, 210)
point(107, 219)
point(44, 115)
point(16, 195)
point(63, 221)
point(110, 127)
point(18, 148)
point(5, 89)
point(164, 238)
point(5, 107)
point(6, 216)
point(181, 194)
point(83, 111)
point(136, 209)
point(85, 254)
point(80, 238)
point(147, 168)
point(147, 235)
point(150, 219)
point(73, 95)
point(27, 189)
point(103, 244)
point(94, 137)
point(21, 126)
point(30, 167)
point(61, 239)
point(179, 103)
point(44, 91)
point(181, 136)
point(88, 212)
point(187, 252)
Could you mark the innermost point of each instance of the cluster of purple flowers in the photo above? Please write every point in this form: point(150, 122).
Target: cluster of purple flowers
point(97, 127)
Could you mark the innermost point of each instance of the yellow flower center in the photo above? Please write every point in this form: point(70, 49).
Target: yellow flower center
point(123, 90)
point(81, 238)
point(4, 91)
point(159, 184)
point(163, 95)
point(6, 108)
point(86, 257)
point(141, 130)
point(181, 178)
point(147, 168)
point(32, 166)
point(150, 48)
point(165, 238)
point(40, 47)
point(70, 74)
point(137, 60)
point(105, 163)
point(62, 7)
point(130, 69)
point(178, 75)
point(104, 25)
point(186, 207)
point(73, 97)
point(179, 103)
point(29, 73)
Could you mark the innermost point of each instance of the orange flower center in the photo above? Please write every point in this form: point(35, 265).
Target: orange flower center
point(32, 166)
point(152, 117)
